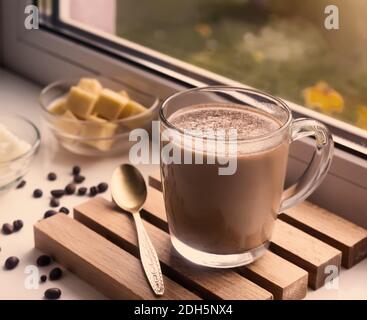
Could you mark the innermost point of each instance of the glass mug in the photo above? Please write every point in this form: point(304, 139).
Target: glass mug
point(227, 220)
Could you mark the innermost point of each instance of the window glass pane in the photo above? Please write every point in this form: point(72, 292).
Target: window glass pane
point(280, 46)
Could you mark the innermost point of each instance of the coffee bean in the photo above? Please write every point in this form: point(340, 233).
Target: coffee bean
point(93, 191)
point(78, 178)
point(7, 228)
point(82, 191)
point(55, 274)
point(102, 187)
point(17, 224)
point(49, 213)
point(37, 193)
point(11, 263)
point(76, 170)
point(44, 260)
point(54, 203)
point(43, 278)
point(21, 184)
point(70, 188)
point(52, 293)
point(64, 210)
point(58, 193)
point(52, 176)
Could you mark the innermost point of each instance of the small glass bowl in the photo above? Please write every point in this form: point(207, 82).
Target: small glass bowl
point(12, 171)
point(72, 138)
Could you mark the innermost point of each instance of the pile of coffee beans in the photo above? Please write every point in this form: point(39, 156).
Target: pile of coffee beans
point(54, 275)
point(56, 194)
point(70, 189)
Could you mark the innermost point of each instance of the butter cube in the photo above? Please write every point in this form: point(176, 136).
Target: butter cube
point(96, 129)
point(91, 85)
point(132, 108)
point(80, 102)
point(124, 94)
point(57, 107)
point(109, 104)
point(68, 123)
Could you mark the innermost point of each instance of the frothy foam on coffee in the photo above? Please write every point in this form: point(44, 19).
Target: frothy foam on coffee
point(216, 117)
point(212, 120)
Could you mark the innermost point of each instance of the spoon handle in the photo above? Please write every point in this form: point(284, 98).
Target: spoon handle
point(149, 257)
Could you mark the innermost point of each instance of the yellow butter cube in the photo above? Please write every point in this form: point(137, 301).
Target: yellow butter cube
point(57, 107)
point(109, 104)
point(124, 94)
point(80, 102)
point(132, 108)
point(96, 129)
point(68, 123)
point(91, 85)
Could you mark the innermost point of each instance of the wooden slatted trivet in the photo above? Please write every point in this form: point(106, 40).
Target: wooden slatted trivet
point(100, 246)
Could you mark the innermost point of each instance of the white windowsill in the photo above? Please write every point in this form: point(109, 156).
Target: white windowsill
point(19, 95)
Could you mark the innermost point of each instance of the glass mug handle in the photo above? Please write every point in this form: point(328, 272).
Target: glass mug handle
point(319, 165)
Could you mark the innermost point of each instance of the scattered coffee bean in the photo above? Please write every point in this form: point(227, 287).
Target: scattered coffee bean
point(43, 278)
point(44, 260)
point(7, 228)
point(52, 176)
point(93, 191)
point(102, 187)
point(64, 210)
point(17, 224)
point(78, 178)
point(54, 203)
point(49, 213)
point(55, 274)
point(37, 193)
point(21, 184)
point(58, 193)
point(11, 263)
point(52, 293)
point(82, 191)
point(70, 188)
point(76, 170)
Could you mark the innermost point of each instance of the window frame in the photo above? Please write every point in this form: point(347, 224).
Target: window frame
point(68, 57)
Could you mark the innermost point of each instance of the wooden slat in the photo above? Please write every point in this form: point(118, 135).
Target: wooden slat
point(104, 218)
point(287, 241)
point(305, 251)
point(286, 282)
point(113, 271)
point(330, 228)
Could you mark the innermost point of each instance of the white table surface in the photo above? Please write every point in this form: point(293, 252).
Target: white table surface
point(19, 95)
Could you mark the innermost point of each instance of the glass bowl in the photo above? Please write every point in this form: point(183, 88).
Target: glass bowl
point(69, 132)
point(13, 170)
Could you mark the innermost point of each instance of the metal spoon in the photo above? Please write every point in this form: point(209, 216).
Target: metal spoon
point(129, 192)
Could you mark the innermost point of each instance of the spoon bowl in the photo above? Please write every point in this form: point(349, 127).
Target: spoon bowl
point(129, 190)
